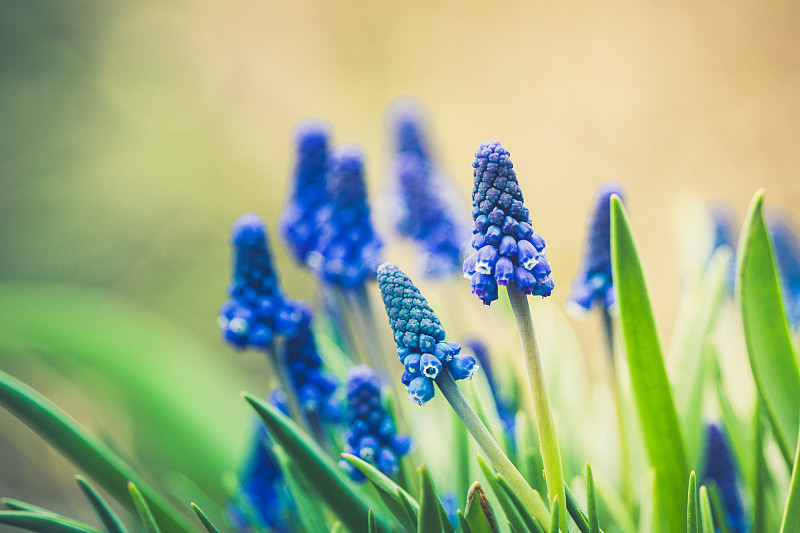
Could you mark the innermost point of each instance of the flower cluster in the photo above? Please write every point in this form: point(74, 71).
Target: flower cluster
point(426, 217)
point(594, 283)
point(719, 468)
point(346, 250)
point(297, 222)
point(256, 309)
point(419, 336)
point(314, 386)
point(372, 435)
point(507, 248)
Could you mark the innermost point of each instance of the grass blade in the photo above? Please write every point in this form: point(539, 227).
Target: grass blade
point(462, 522)
point(110, 522)
point(706, 518)
point(591, 502)
point(372, 527)
point(307, 510)
point(430, 518)
point(210, 527)
point(479, 515)
point(575, 511)
point(769, 341)
point(145, 515)
point(691, 506)
point(83, 449)
point(554, 516)
point(791, 513)
point(512, 514)
point(330, 482)
point(43, 523)
point(530, 523)
point(659, 420)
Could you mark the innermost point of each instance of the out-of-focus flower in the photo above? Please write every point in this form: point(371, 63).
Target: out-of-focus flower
point(505, 408)
point(256, 310)
point(426, 215)
point(594, 283)
point(419, 336)
point(372, 435)
point(314, 386)
point(507, 248)
point(347, 250)
point(298, 220)
point(787, 255)
point(720, 469)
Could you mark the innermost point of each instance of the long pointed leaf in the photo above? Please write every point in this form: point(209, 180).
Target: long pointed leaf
point(769, 341)
point(430, 519)
point(659, 420)
point(210, 527)
point(309, 513)
point(330, 482)
point(530, 522)
point(145, 514)
point(791, 513)
point(478, 512)
point(43, 523)
point(706, 518)
point(691, 506)
point(85, 450)
point(107, 518)
point(511, 512)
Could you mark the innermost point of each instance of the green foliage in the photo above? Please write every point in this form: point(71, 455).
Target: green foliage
point(478, 511)
point(109, 521)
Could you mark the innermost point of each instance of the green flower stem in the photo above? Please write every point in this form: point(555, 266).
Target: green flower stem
point(548, 441)
point(469, 418)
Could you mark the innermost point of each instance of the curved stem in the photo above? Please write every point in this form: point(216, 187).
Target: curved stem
point(548, 441)
point(467, 414)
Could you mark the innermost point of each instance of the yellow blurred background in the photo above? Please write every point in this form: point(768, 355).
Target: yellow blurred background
point(133, 134)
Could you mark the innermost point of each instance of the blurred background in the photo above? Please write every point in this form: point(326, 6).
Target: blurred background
point(133, 134)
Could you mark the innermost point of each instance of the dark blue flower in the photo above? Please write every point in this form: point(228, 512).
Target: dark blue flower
point(787, 255)
point(346, 250)
point(506, 247)
point(297, 222)
point(419, 336)
point(256, 310)
point(372, 435)
point(315, 388)
point(594, 283)
point(720, 469)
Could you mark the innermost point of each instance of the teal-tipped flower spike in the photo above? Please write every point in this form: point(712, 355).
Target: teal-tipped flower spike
point(506, 247)
point(419, 336)
point(594, 284)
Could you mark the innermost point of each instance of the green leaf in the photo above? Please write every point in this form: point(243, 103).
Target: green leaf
point(19, 505)
point(85, 450)
point(651, 388)
point(430, 519)
point(110, 522)
point(718, 508)
point(330, 482)
point(554, 515)
point(791, 513)
point(372, 527)
point(462, 522)
point(591, 502)
point(766, 331)
point(575, 511)
point(706, 518)
point(613, 502)
point(210, 527)
point(691, 507)
point(388, 490)
point(530, 523)
point(43, 523)
point(307, 509)
point(411, 512)
point(478, 511)
point(145, 515)
point(512, 514)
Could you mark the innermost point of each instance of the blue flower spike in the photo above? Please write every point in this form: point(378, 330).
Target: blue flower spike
point(297, 222)
point(594, 284)
point(347, 250)
point(507, 250)
point(371, 434)
point(720, 469)
point(419, 336)
point(256, 310)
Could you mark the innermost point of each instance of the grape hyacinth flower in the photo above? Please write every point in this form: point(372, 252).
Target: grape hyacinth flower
point(256, 310)
point(372, 435)
point(315, 388)
point(347, 250)
point(594, 284)
point(787, 255)
point(506, 247)
point(297, 222)
point(419, 336)
point(720, 469)
point(427, 217)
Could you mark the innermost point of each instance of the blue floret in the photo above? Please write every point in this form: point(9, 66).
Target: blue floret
point(506, 247)
point(419, 336)
point(372, 435)
point(347, 250)
point(720, 469)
